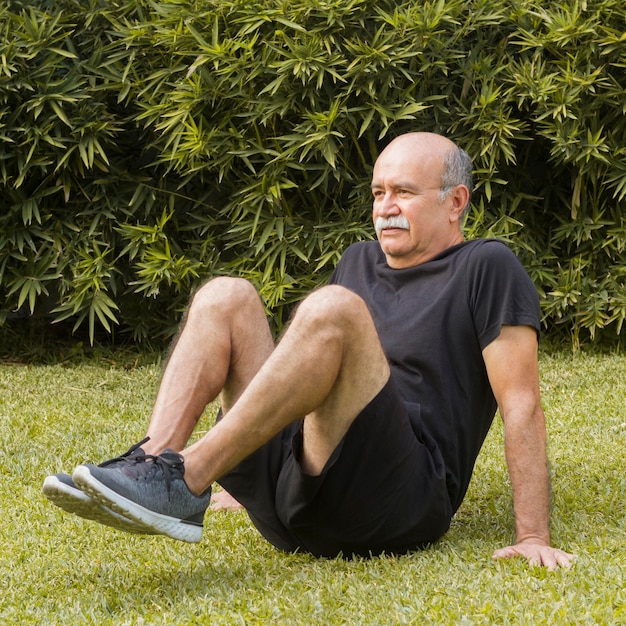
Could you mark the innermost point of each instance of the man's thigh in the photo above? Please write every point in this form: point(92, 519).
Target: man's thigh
point(381, 490)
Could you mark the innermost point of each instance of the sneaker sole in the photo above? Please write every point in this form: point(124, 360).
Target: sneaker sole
point(79, 503)
point(159, 523)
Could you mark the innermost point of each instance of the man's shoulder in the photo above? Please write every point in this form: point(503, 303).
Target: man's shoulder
point(485, 250)
point(369, 249)
point(358, 261)
point(370, 244)
point(487, 245)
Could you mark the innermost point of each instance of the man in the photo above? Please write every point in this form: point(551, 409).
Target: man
point(358, 432)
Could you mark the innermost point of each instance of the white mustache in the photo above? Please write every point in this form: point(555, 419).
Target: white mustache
point(396, 221)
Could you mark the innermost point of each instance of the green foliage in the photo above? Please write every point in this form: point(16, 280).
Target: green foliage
point(148, 146)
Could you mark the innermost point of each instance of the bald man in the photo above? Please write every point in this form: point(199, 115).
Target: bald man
point(357, 433)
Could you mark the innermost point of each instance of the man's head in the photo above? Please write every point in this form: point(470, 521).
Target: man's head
point(421, 186)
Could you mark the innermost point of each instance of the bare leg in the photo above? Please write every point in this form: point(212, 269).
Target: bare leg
point(327, 367)
point(222, 345)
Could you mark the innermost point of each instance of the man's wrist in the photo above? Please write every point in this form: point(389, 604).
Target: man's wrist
point(534, 538)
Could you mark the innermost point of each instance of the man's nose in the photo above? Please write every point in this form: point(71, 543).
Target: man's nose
point(388, 205)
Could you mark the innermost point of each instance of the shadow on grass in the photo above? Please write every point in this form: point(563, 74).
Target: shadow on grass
point(38, 343)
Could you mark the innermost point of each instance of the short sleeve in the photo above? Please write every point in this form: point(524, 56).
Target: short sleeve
point(500, 292)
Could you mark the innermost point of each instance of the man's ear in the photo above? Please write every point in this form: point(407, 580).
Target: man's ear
point(459, 196)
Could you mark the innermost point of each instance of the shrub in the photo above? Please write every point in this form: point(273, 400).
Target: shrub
point(149, 146)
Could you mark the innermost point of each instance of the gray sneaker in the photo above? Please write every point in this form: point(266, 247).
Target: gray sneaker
point(151, 491)
point(61, 490)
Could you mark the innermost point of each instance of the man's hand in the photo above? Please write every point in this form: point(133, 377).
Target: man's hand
point(536, 553)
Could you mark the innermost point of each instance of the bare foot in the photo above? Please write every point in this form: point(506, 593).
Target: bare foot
point(223, 501)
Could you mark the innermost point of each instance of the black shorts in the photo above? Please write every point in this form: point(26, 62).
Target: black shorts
point(382, 489)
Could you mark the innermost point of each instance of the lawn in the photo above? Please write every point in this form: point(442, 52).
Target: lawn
point(59, 569)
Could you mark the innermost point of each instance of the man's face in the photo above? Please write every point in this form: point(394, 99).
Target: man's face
point(412, 223)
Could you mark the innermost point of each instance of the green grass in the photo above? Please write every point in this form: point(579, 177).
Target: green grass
point(58, 569)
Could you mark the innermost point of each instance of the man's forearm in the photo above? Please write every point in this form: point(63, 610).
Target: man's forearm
point(525, 447)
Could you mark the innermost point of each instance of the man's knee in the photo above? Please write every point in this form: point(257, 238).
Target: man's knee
point(226, 292)
point(224, 297)
point(333, 304)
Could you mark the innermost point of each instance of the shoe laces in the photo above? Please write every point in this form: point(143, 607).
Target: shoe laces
point(128, 456)
point(169, 464)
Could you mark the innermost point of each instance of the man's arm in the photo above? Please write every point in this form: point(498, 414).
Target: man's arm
point(511, 362)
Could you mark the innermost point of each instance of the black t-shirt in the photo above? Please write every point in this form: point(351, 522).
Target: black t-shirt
point(434, 320)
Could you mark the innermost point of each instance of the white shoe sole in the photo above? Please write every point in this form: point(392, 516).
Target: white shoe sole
point(159, 523)
point(75, 501)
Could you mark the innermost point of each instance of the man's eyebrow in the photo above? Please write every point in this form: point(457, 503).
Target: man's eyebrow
point(397, 185)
